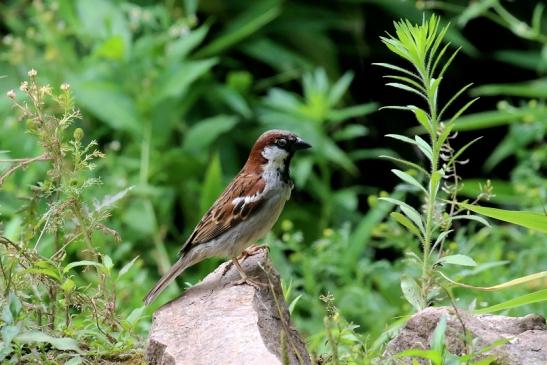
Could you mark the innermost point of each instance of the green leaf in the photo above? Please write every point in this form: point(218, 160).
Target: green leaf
point(404, 87)
point(397, 68)
point(8, 333)
point(405, 222)
point(212, 186)
point(135, 315)
point(107, 262)
point(412, 292)
point(535, 297)
point(75, 360)
point(408, 179)
point(408, 211)
point(434, 183)
point(422, 118)
point(176, 80)
point(437, 338)
point(350, 132)
point(340, 88)
point(424, 147)
point(531, 220)
point(109, 103)
point(406, 163)
point(127, 267)
point(508, 284)
point(81, 263)
point(462, 150)
point(179, 49)
point(245, 25)
point(458, 259)
point(401, 138)
point(472, 217)
point(496, 118)
point(529, 89)
point(60, 343)
point(203, 133)
point(354, 111)
point(68, 285)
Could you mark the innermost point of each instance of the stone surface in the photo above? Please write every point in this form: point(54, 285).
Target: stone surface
point(527, 336)
point(218, 322)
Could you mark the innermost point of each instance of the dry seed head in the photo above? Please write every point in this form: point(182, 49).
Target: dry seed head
point(65, 86)
point(11, 94)
point(32, 73)
point(24, 86)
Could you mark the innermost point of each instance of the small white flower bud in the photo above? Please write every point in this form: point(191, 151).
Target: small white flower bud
point(24, 86)
point(11, 94)
point(32, 73)
point(65, 86)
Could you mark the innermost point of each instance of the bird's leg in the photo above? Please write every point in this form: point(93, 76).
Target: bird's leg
point(244, 278)
point(251, 251)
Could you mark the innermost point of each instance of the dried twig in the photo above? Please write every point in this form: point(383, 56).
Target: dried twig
point(22, 162)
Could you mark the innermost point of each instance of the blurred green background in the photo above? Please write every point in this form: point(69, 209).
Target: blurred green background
point(176, 92)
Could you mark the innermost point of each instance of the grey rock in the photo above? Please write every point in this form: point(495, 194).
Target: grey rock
point(218, 322)
point(526, 336)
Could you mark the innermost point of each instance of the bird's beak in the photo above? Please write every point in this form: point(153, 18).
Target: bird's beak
point(300, 144)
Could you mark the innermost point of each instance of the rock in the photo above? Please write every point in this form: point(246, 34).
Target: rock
point(527, 336)
point(218, 322)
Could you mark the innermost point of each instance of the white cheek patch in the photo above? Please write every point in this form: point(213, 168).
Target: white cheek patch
point(276, 157)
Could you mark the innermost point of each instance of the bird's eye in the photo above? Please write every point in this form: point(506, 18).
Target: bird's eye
point(282, 142)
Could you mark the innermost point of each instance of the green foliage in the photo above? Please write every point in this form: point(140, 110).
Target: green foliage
point(175, 93)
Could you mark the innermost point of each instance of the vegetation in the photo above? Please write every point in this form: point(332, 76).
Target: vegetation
point(123, 121)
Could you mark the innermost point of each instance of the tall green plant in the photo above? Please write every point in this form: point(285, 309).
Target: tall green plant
point(421, 46)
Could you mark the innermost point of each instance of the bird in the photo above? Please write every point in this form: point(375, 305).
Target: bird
point(246, 210)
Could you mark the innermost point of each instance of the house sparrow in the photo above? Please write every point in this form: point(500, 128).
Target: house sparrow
point(245, 211)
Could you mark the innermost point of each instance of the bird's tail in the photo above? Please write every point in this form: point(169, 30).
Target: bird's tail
point(181, 265)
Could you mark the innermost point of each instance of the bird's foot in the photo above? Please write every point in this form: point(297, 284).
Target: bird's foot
point(251, 281)
point(251, 251)
point(245, 279)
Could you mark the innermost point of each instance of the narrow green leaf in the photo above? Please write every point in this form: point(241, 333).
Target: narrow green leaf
point(405, 222)
point(340, 88)
point(531, 220)
point(424, 147)
point(460, 112)
point(397, 68)
point(462, 150)
point(404, 87)
point(407, 163)
point(437, 338)
point(409, 179)
point(422, 117)
point(458, 259)
point(535, 297)
point(401, 138)
point(472, 217)
point(408, 211)
point(408, 80)
point(508, 284)
point(127, 267)
point(245, 25)
point(81, 263)
point(435, 182)
point(452, 99)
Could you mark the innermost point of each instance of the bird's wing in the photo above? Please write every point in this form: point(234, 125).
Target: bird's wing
point(241, 198)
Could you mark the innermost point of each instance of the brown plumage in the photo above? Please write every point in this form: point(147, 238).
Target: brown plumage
point(245, 211)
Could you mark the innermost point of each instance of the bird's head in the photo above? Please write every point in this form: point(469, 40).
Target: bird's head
point(274, 150)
